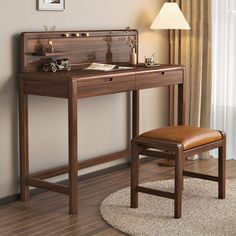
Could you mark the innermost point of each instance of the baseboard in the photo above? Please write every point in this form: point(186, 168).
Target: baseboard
point(9, 199)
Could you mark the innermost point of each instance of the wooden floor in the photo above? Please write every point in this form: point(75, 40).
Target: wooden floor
point(46, 213)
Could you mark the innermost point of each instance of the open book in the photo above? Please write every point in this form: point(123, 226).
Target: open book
point(106, 67)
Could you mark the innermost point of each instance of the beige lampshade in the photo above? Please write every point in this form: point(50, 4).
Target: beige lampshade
point(170, 17)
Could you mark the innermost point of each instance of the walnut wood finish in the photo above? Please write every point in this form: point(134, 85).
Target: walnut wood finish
point(47, 185)
point(73, 149)
point(46, 88)
point(80, 83)
point(163, 155)
point(46, 174)
point(222, 168)
point(181, 101)
point(134, 174)
point(24, 141)
point(142, 145)
point(201, 176)
point(171, 107)
point(104, 46)
point(179, 167)
point(149, 79)
point(135, 113)
point(106, 84)
point(45, 214)
point(155, 192)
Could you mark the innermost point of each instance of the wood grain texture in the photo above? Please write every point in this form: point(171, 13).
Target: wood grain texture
point(179, 168)
point(135, 113)
point(106, 85)
point(24, 141)
point(95, 83)
point(161, 77)
point(156, 192)
point(134, 178)
point(157, 154)
point(104, 46)
point(181, 101)
point(82, 48)
point(45, 174)
point(79, 84)
point(221, 167)
point(142, 145)
point(47, 185)
point(46, 214)
point(73, 147)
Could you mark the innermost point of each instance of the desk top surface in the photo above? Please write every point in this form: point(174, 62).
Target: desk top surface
point(81, 74)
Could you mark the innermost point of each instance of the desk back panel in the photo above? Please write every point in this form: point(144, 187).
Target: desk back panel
point(80, 47)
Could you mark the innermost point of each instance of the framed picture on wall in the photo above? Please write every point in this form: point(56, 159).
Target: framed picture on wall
point(51, 5)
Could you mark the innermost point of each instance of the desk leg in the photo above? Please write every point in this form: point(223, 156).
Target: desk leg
point(181, 113)
point(181, 104)
point(171, 106)
point(73, 162)
point(135, 113)
point(24, 141)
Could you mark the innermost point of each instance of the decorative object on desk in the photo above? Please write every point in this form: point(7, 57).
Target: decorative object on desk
point(50, 47)
point(132, 42)
point(69, 44)
point(150, 61)
point(170, 17)
point(133, 57)
point(51, 28)
point(108, 39)
point(51, 5)
point(106, 67)
point(55, 65)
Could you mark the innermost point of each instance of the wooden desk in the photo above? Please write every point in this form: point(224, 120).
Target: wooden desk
point(79, 84)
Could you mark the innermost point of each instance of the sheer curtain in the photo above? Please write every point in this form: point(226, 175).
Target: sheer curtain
point(223, 107)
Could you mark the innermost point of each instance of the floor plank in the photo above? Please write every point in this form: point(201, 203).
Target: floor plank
point(47, 213)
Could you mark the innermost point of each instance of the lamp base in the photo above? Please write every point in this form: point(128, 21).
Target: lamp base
point(167, 163)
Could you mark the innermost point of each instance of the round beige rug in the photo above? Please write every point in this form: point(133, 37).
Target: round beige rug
point(202, 214)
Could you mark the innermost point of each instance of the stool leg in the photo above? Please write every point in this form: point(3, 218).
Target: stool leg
point(184, 162)
point(221, 169)
point(178, 182)
point(134, 174)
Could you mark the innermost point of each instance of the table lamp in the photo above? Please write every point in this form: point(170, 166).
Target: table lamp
point(170, 17)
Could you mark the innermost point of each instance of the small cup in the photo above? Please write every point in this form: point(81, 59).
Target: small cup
point(149, 61)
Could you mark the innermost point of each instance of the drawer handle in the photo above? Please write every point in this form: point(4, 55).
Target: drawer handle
point(85, 34)
point(108, 80)
point(162, 73)
point(66, 35)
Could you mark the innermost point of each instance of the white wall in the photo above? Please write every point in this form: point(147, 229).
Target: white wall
point(102, 120)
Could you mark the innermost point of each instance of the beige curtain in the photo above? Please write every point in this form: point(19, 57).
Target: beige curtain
point(192, 48)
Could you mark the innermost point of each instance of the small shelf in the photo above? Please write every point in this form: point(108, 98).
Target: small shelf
point(50, 54)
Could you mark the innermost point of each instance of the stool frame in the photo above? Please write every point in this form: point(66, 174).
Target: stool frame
point(174, 151)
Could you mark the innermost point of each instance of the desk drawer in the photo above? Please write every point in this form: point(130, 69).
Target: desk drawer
point(158, 78)
point(105, 85)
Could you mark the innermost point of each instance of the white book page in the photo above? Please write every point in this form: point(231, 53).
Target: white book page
point(106, 67)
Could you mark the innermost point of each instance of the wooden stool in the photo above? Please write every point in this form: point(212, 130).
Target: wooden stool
point(176, 143)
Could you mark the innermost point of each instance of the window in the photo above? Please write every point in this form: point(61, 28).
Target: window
point(224, 71)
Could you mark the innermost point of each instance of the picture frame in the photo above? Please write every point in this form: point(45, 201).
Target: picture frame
point(51, 5)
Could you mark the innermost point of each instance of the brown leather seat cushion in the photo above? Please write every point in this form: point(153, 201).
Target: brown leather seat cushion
point(188, 136)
